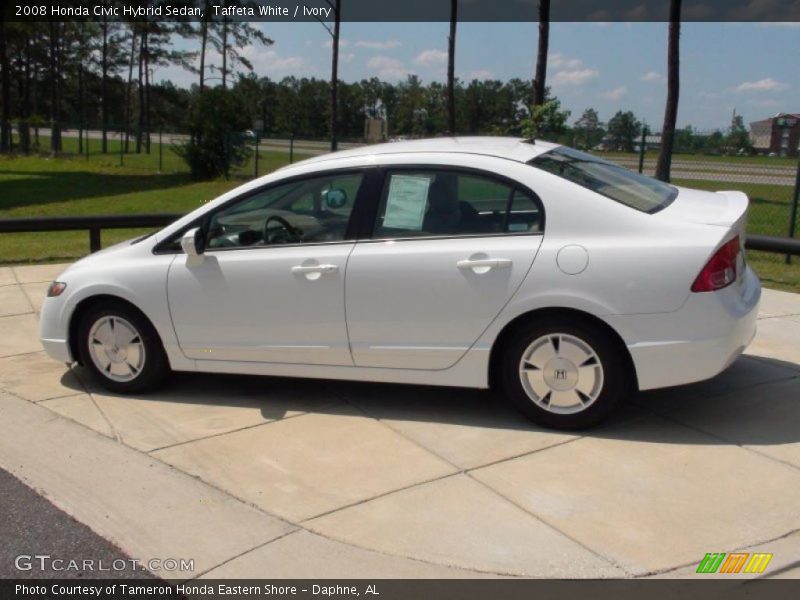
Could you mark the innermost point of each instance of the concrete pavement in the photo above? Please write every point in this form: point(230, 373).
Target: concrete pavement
point(273, 477)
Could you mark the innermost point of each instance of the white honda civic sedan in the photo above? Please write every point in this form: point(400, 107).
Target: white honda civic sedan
point(564, 280)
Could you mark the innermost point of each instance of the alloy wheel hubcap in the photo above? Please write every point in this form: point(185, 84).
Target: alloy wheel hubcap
point(116, 348)
point(561, 373)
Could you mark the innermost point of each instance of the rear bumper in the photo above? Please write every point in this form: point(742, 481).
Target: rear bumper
point(696, 342)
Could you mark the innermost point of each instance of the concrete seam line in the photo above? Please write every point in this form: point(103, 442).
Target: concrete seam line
point(729, 441)
point(248, 551)
point(293, 527)
point(69, 494)
point(583, 545)
point(103, 414)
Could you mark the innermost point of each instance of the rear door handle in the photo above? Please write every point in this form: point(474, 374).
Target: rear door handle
point(485, 263)
point(304, 269)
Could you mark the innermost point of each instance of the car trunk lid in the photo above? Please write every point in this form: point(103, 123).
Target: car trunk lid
point(725, 209)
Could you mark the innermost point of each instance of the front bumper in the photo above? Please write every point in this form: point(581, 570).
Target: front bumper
point(696, 342)
point(58, 350)
point(54, 329)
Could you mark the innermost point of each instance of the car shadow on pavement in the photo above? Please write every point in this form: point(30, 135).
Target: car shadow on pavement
point(756, 401)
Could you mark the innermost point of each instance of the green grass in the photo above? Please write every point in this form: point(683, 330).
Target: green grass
point(770, 205)
point(162, 158)
point(760, 161)
point(35, 186)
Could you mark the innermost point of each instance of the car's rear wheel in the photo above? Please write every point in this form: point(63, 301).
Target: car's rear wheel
point(564, 374)
point(121, 348)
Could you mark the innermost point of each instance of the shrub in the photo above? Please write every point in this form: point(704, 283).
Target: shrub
point(216, 142)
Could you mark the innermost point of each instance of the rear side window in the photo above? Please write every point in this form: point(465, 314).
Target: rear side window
point(436, 202)
point(615, 182)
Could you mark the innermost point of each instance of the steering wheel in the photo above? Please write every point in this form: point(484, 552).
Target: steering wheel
point(286, 233)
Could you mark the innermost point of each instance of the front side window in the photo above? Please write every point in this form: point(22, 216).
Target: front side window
point(307, 211)
point(604, 177)
point(435, 202)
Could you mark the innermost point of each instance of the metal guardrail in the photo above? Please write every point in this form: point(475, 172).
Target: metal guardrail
point(769, 243)
point(95, 223)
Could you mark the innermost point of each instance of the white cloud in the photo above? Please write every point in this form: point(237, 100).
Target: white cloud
point(376, 45)
point(574, 76)
point(480, 74)
point(768, 84)
point(431, 58)
point(342, 43)
point(347, 57)
point(268, 62)
point(652, 77)
point(559, 61)
point(616, 94)
point(569, 70)
point(386, 67)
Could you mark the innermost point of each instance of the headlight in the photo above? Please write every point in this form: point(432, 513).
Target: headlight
point(56, 289)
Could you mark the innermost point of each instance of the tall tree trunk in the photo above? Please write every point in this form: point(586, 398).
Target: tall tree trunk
point(55, 113)
point(224, 52)
point(140, 125)
point(104, 86)
point(128, 88)
point(80, 87)
point(335, 77)
point(5, 112)
point(204, 42)
point(539, 83)
point(25, 108)
point(664, 165)
point(451, 69)
point(147, 95)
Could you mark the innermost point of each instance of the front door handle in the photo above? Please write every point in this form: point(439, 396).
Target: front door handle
point(484, 263)
point(305, 269)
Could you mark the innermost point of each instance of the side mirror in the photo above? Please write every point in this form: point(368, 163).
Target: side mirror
point(335, 199)
point(193, 243)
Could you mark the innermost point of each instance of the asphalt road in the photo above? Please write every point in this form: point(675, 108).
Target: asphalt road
point(31, 526)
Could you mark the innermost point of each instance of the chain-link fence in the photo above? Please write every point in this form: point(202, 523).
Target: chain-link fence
point(711, 161)
point(160, 150)
point(707, 161)
point(769, 183)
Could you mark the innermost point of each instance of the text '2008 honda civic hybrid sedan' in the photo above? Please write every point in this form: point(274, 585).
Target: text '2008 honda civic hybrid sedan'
point(566, 281)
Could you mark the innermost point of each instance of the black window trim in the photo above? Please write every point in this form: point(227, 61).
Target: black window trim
point(370, 176)
point(366, 231)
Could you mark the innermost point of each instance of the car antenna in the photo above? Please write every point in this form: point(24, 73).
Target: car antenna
point(529, 140)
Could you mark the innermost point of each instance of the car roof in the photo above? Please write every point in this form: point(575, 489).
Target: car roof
point(510, 148)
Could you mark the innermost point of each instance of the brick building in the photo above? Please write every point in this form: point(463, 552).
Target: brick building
point(779, 134)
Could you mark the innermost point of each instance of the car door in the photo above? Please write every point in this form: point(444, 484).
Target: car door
point(270, 284)
point(448, 250)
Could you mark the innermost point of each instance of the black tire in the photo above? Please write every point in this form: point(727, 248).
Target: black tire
point(155, 366)
point(614, 382)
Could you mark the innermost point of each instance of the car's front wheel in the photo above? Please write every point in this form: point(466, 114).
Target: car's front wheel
point(120, 346)
point(563, 373)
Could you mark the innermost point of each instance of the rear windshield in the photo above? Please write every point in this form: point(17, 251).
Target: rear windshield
point(615, 182)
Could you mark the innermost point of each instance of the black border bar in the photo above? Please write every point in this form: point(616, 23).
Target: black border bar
point(402, 10)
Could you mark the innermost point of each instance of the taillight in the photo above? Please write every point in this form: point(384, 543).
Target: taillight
point(720, 270)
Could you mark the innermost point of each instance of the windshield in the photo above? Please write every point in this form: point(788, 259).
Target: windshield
point(606, 178)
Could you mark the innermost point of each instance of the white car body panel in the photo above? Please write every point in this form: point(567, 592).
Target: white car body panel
point(403, 311)
point(275, 314)
point(402, 324)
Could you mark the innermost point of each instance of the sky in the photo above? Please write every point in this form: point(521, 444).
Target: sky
point(750, 67)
